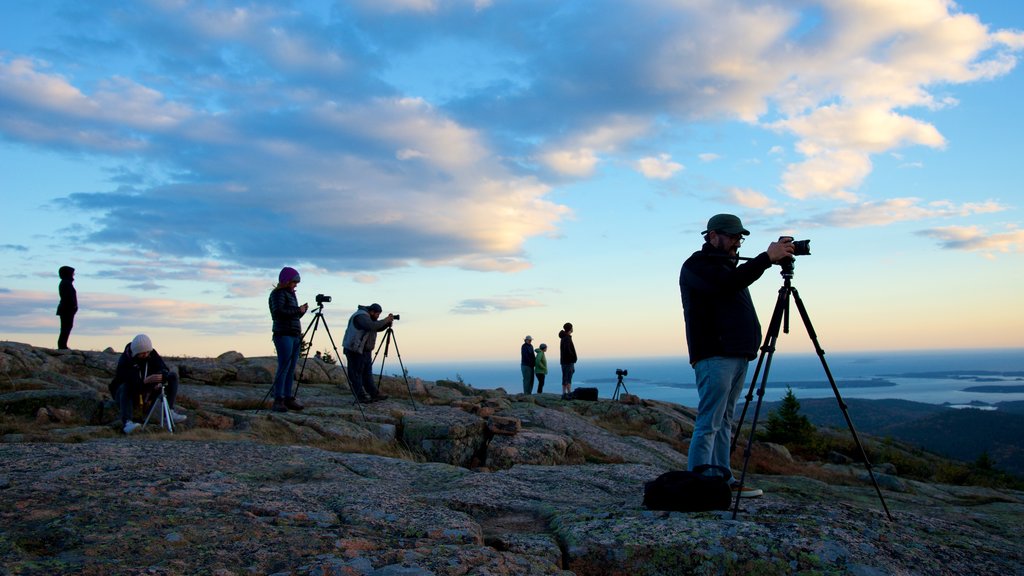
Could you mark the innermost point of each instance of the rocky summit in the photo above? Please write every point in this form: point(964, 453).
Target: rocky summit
point(440, 479)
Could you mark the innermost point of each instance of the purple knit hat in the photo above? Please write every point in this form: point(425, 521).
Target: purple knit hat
point(287, 275)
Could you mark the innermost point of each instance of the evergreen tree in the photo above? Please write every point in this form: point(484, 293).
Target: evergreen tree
point(786, 425)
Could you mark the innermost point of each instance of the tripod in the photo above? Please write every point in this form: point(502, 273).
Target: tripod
point(164, 406)
point(781, 317)
point(389, 336)
point(619, 384)
point(318, 318)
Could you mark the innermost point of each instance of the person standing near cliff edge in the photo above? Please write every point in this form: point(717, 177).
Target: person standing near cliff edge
point(567, 358)
point(68, 306)
point(529, 359)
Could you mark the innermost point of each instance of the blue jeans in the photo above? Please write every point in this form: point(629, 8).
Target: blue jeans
point(719, 383)
point(288, 349)
point(527, 378)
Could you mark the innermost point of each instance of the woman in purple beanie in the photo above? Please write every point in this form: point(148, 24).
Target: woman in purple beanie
point(286, 313)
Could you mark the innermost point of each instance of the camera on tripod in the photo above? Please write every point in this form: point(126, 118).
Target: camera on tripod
point(800, 247)
point(320, 299)
point(621, 372)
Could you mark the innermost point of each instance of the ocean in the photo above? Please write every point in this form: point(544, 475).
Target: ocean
point(960, 378)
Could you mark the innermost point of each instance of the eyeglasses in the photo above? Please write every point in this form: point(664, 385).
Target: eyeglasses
point(734, 237)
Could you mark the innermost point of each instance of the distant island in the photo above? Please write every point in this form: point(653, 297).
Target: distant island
point(1011, 389)
point(799, 384)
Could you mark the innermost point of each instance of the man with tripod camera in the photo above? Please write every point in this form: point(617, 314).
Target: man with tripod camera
point(722, 332)
point(358, 344)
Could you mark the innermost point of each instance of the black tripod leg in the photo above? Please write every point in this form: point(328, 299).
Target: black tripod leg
point(767, 352)
point(405, 377)
point(318, 316)
point(839, 397)
point(783, 294)
point(344, 370)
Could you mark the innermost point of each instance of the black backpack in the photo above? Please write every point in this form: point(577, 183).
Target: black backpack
point(704, 488)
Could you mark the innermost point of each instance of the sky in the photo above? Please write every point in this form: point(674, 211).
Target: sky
point(490, 169)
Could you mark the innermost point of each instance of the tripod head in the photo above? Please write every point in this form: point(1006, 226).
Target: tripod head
point(787, 265)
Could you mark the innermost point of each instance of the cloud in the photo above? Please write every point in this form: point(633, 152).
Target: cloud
point(708, 157)
point(975, 239)
point(749, 198)
point(660, 167)
point(489, 305)
point(25, 311)
point(277, 132)
point(885, 212)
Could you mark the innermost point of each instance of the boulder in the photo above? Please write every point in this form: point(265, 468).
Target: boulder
point(530, 447)
point(85, 405)
point(443, 434)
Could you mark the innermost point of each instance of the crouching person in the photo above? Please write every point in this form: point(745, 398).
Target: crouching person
point(140, 371)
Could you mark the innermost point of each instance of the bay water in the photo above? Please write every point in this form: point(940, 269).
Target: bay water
point(978, 378)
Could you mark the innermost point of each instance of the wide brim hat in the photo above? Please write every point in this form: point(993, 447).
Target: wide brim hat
point(728, 223)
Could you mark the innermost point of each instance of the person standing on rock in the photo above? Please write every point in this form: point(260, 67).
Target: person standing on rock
point(567, 358)
point(140, 370)
point(287, 316)
point(529, 359)
point(722, 333)
point(68, 306)
point(541, 367)
point(358, 343)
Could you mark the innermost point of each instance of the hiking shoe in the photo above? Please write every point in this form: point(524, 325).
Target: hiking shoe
point(379, 397)
point(130, 427)
point(178, 418)
point(364, 399)
point(292, 404)
point(279, 406)
point(746, 491)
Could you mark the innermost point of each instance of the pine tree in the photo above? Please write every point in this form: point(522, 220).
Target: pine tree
point(786, 425)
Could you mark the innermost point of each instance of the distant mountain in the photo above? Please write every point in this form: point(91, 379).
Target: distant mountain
point(960, 433)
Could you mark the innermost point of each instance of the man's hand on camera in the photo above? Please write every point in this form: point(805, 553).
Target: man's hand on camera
point(780, 250)
point(390, 319)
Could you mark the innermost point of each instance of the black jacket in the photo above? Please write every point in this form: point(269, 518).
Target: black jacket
point(719, 314)
point(68, 305)
point(132, 371)
point(566, 349)
point(284, 309)
point(529, 356)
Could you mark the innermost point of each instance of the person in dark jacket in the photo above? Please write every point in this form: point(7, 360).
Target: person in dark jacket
point(287, 328)
point(358, 343)
point(722, 332)
point(68, 306)
point(567, 358)
point(529, 358)
point(140, 370)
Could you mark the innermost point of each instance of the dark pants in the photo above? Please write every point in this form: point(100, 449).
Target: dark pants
point(540, 383)
point(67, 322)
point(360, 374)
point(126, 395)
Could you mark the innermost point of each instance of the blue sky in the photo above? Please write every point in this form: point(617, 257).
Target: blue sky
point(491, 169)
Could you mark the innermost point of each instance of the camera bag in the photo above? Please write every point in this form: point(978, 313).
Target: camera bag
point(704, 488)
point(585, 394)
